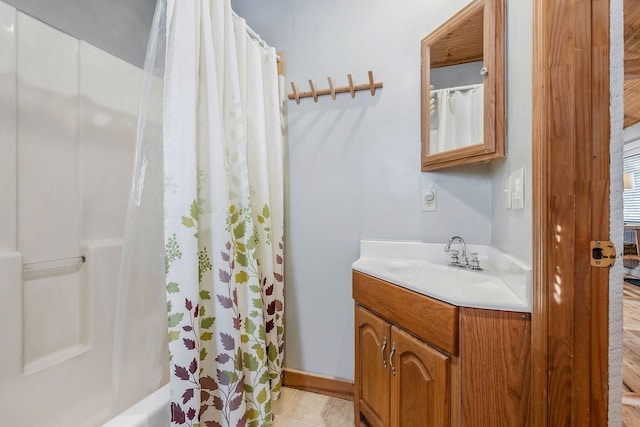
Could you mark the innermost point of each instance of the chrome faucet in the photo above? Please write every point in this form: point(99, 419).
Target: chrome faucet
point(455, 260)
point(462, 261)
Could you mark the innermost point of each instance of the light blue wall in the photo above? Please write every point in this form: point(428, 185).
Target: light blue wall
point(512, 229)
point(120, 27)
point(354, 164)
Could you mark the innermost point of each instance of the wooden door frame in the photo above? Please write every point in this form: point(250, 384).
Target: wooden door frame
point(571, 138)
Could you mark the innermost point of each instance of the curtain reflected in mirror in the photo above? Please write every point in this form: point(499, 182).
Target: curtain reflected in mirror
point(457, 118)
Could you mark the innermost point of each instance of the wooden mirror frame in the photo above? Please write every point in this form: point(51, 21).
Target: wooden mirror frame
point(454, 43)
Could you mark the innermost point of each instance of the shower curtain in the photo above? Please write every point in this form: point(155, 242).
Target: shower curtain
point(223, 162)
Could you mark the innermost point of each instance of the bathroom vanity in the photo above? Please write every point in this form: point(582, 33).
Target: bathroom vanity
point(422, 361)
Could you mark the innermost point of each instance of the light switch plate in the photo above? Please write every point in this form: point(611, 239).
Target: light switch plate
point(507, 193)
point(517, 189)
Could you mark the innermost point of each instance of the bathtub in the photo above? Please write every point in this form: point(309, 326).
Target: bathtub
point(152, 411)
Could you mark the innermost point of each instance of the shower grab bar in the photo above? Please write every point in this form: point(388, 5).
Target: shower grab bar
point(55, 266)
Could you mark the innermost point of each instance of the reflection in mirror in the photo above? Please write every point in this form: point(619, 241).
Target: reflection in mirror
point(463, 87)
point(456, 107)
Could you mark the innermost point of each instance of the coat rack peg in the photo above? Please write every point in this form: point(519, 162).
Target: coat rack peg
point(352, 89)
point(372, 83)
point(296, 95)
point(314, 94)
point(332, 89)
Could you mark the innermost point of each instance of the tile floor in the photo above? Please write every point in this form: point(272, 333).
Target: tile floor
point(297, 408)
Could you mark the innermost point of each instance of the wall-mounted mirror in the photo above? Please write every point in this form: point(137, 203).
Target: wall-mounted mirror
point(463, 105)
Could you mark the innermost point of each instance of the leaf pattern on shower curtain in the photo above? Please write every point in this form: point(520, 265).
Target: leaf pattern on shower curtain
point(188, 323)
point(231, 388)
point(224, 219)
point(244, 351)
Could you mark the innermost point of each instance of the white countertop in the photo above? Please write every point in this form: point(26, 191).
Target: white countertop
point(503, 284)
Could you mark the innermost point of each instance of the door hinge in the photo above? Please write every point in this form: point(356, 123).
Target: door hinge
point(603, 253)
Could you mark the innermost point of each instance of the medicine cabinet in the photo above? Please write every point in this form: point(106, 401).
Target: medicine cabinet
point(463, 95)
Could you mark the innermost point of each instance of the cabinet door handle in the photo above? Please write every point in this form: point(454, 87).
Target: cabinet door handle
point(393, 350)
point(384, 345)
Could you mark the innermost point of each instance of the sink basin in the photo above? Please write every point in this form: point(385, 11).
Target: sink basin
point(419, 272)
point(505, 286)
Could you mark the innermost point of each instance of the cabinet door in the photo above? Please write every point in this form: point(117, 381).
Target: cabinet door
point(420, 394)
point(372, 368)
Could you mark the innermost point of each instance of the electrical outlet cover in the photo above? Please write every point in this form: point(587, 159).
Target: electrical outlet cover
point(429, 199)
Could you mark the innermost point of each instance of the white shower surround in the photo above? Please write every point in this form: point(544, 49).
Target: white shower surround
point(68, 114)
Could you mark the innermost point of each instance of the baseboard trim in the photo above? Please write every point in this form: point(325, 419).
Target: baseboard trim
point(315, 383)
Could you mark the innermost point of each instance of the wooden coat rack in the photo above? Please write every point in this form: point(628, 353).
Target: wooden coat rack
point(332, 90)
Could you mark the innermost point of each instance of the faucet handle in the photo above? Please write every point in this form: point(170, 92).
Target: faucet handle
point(454, 257)
point(474, 263)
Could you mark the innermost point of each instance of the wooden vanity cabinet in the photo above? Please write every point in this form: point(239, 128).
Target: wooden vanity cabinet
point(373, 380)
point(422, 362)
point(402, 380)
point(420, 383)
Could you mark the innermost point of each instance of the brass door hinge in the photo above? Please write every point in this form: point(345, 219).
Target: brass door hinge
point(603, 253)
